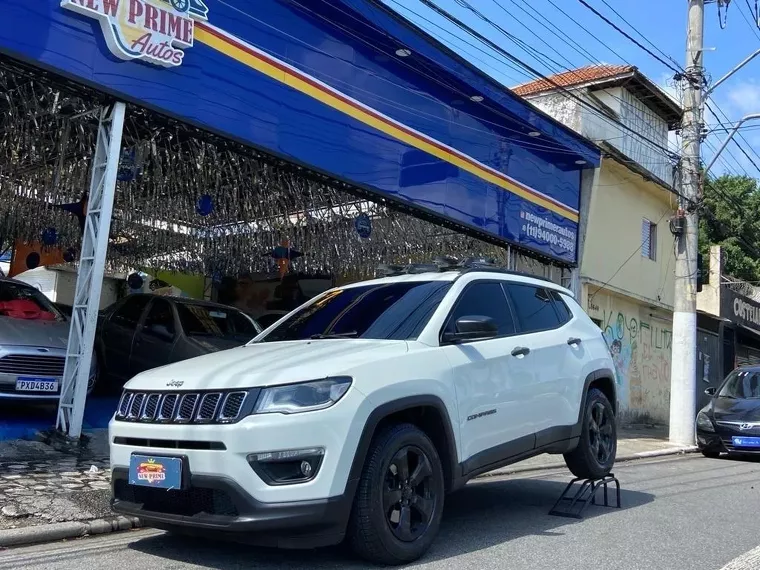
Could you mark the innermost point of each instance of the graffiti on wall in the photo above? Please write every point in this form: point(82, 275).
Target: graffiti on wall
point(641, 352)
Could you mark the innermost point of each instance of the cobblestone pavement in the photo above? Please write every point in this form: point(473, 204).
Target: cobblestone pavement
point(52, 477)
point(39, 485)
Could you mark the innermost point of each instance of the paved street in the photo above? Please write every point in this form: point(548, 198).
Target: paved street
point(688, 513)
point(40, 485)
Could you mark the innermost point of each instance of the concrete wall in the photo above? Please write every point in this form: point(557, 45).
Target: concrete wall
point(563, 108)
point(619, 203)
point(59, 285)
point(629, 295)
point(631, 112)
point(596, 125)
point(640, 338)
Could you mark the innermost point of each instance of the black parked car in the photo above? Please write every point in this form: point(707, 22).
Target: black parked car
point(730, 423)
point(65, 309)
point(146, 331)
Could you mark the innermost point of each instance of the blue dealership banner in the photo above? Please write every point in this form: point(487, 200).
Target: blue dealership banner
point(317, 83)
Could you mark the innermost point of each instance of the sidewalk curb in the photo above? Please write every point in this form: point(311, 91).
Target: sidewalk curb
point(65, 530)
point(682, 450)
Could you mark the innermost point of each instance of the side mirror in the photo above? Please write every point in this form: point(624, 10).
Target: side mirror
point(711, 391)
point(472, 327)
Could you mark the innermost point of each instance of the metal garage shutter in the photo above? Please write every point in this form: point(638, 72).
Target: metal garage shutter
point(746, 356)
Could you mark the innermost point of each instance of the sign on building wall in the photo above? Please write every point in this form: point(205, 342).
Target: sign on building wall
point(155, 31)
point(740, 309)
point(303, 85)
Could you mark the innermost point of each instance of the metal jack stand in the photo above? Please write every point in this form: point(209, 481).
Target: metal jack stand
point(573, 506)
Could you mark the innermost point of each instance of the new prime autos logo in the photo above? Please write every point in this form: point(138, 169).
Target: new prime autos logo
point(154, 31)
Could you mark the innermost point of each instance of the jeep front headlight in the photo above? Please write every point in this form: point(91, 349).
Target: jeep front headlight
point(302, 397)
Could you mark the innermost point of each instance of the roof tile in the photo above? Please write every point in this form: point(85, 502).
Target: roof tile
point(572, 78)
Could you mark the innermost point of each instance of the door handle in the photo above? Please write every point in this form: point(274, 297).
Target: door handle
point(520, 351)
point(572, 341)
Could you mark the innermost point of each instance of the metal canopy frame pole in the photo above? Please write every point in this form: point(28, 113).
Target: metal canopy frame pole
point(92, 262)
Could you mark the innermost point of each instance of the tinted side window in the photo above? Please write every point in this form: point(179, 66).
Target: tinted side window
point(534, 308)
point(562, 309)
point(487, 300)
point(128, 315)
point(160, 317)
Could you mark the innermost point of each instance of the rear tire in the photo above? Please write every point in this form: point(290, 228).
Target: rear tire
point(397, 510)
point(594, 456)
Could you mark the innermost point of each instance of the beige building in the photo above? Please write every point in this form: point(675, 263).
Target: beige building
point(626, 258)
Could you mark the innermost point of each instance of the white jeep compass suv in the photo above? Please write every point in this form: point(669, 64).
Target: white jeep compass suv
point(354, 415)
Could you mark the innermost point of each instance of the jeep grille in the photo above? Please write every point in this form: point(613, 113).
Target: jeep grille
point(182, 408)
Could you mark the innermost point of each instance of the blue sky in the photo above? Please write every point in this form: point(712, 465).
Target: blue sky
point(662, 22)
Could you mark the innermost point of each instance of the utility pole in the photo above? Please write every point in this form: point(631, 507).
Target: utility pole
point(683, 375)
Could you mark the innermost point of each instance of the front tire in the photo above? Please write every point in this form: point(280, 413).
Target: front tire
point(711, 454)
point(595, 454)
point(399, 502)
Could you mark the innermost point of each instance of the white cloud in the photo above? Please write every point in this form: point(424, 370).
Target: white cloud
point(745, 97)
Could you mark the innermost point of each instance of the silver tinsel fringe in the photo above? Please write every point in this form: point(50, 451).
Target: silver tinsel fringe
point(190, 205)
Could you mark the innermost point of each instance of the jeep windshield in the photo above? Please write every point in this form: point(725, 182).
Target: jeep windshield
point(389, 311)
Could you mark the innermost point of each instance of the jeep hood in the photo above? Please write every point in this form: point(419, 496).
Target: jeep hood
point(268, 363)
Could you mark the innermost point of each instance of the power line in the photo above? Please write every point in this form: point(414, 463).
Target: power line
point(464, 40)
point(724, 160)
point(535, 52)
point(572, 72)
point(727, 199)
point(741, 148)
point(535, 34)
point(754, 17)
point(554, 30)
point(582, 27)
point(539, 56)
point(414, 68)
point(466, 95)
point(464, 27)
point(634, 40)
point(642, 35)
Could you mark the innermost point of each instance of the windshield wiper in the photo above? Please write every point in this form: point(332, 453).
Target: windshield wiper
point(349, 334)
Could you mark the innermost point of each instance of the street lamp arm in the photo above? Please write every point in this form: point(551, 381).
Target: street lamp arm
point(733, 132)
point(744, 62)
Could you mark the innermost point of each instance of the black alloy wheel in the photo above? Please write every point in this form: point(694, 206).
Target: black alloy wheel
point(399, 500)
point(595, 453)
point(409, 496)
point(600, 432)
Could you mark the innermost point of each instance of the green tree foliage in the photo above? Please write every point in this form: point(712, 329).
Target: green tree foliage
point(731, 219)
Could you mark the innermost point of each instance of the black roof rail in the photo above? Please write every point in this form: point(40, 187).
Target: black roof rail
point(505, 271)
point(446, 263)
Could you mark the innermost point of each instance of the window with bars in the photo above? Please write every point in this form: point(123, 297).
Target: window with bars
point(648, 239)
